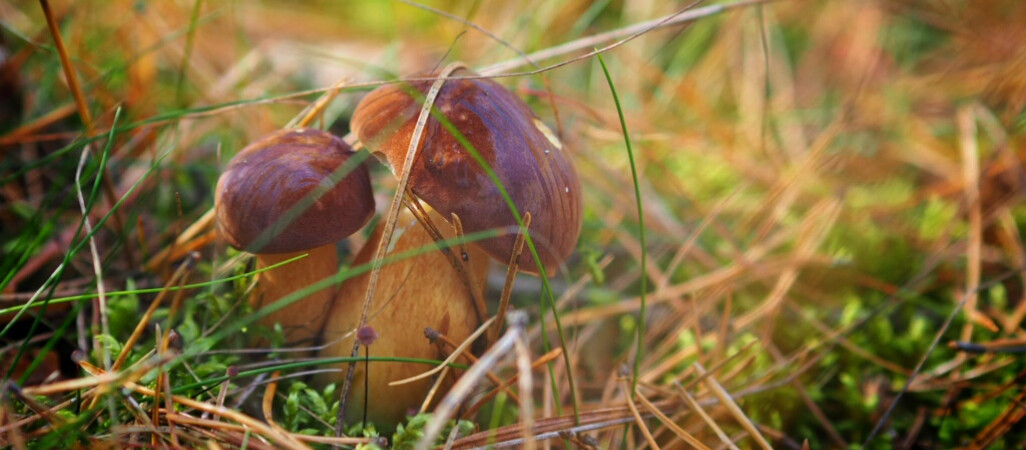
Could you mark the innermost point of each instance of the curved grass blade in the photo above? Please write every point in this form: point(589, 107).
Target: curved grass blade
point(641, 223)
point(546, 288)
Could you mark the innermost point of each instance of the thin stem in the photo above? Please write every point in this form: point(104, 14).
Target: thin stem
point(641, 224)
point(366, 383)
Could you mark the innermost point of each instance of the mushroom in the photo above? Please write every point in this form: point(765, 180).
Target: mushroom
point(291, 192)
point(412, 294)
point(427, 291)
point(523, 152)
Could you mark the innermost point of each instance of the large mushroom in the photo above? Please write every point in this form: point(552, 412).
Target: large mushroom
point(525, 154)
point(291, 192)
point(426, 291)
point(412, 294)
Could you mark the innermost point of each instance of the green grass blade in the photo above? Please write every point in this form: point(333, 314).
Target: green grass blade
point(641, 223)
point(547, 296)
point(93, 194)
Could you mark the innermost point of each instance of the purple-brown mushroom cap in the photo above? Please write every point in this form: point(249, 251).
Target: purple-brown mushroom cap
point(525, 154)
point(292, 190)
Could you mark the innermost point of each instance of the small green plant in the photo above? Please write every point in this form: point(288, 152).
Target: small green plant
point(406, 436)
point(308, 410)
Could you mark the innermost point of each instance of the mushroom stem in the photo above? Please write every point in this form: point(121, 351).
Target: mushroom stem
point(412, 294)
point(302, 319)
point(457, 262)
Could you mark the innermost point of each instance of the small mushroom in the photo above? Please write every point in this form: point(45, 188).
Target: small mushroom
point(525, 154)
point(292, 192)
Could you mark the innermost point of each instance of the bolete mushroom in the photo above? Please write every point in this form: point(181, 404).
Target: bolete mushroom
point(294, 191)
point(523, 152)
point(412, 294)
point(426, 291)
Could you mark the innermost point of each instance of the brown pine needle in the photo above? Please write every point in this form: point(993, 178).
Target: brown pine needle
point(523, 363)
point(98, 378)
point(223, 390)
point(626, 389)
point(971, 191)
point(462, 388)
point(690, 401)
point(178, 278)
point(320, 105)
point(511, 276)
point(285, 440)
point(14, 436)
point(83, 111)
point(268, 402)
point(461, 260)
point(669, 423)
point(452, 357)
point(39, 409)
point(11, 426)
point(728, 401)
point(184, 419)
point(469, 356)
point(69, 71)
point(537, 364)
point(19, 134)
point(457, 262)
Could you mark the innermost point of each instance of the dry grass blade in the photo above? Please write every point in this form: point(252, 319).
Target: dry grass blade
point(444, 341)
point(318, 107)
point(626, 389)
point(523, 358)
point(268, 404)
point(285, 440)
point(732, 406)
point(690, 401)
point(511, 276)
point(539, 363)
point(98, 378)
point(971, 191)
point(623, 34)
point(469, 379)
point(389, 230)
point(452, 357)
point(178, 278)
point(669, 423)
point(35, 406)
point(14, 436)
point(457, 261)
